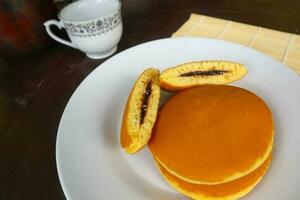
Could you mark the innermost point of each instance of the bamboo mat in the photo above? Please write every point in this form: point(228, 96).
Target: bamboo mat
point(282, 46)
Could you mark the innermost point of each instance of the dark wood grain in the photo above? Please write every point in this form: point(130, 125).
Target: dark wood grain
point(35, 89)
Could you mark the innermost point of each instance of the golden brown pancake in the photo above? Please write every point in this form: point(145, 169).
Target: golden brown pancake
point(212, 134)
point(140, 112)
point(201, 73)
point(229, 191)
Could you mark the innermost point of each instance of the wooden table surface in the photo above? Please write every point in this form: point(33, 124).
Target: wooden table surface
point(35, 89)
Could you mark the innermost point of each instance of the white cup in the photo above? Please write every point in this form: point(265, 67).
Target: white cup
point(93, 26)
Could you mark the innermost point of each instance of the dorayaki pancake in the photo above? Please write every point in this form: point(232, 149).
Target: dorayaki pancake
point(212, 134)
point(140, 112)
point(226, 191)
point(210, 72)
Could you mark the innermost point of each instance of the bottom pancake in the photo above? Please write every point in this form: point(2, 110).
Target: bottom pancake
point(228, 191)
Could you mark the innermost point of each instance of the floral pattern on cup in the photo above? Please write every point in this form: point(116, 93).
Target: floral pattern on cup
point(96, 27)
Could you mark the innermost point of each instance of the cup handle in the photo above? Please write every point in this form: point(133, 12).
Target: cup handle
point(50, 22)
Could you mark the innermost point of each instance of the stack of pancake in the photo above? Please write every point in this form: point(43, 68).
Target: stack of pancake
point(213, 142)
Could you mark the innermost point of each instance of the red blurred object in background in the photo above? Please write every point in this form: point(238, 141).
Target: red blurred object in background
point(21, 25)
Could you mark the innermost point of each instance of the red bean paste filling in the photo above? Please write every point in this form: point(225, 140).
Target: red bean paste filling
point(213, 72)
point(145, 100)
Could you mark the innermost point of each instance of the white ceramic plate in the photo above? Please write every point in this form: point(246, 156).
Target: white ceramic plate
point(92, 166)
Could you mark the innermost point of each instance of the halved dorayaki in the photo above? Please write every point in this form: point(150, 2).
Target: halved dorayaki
point(140, 111)
point(201, 73)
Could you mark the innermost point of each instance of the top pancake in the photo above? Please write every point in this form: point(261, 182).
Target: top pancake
point(212, 134)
